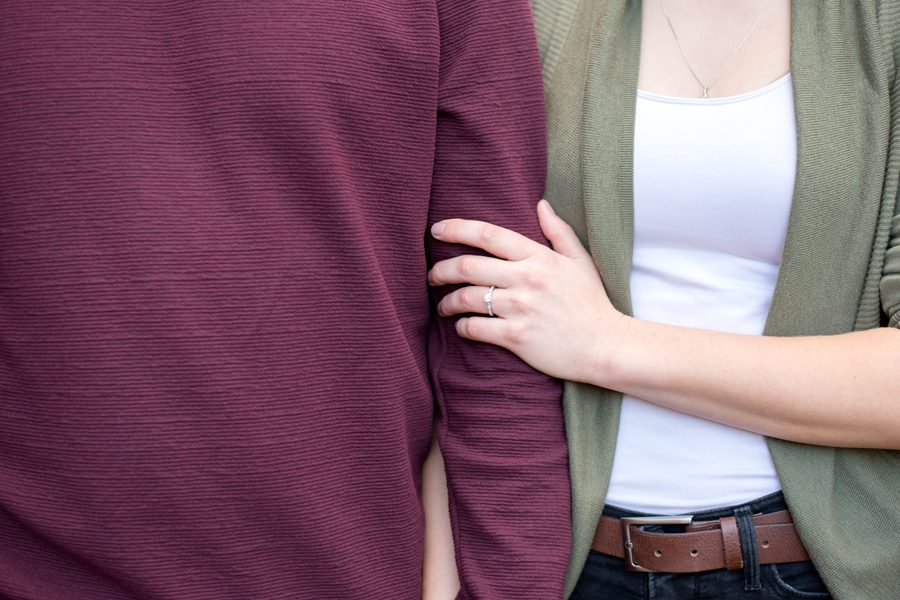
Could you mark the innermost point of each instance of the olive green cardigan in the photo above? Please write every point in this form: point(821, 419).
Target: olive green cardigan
point(841, 265)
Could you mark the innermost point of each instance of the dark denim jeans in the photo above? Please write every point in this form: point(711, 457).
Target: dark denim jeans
point(605, 578)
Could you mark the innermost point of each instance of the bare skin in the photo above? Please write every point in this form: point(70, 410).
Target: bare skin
point(709, 30)
point(439, 576)
point(838, 390)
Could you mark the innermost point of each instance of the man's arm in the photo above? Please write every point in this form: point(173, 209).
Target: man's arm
point(500, 425)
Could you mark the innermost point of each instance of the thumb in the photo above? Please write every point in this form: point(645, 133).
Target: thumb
point(561, 235)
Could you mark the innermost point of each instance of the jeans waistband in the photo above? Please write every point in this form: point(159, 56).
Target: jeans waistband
point(766, 504)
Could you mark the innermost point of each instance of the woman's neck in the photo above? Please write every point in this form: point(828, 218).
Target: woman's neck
point(686, 43)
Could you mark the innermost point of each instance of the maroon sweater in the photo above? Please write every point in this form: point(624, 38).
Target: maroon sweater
point(218, 364)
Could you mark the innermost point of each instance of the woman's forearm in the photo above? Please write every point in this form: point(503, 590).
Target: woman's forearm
point(840, 390)
point(439, 577)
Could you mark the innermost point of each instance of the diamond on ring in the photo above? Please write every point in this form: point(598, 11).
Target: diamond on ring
point(489, 301)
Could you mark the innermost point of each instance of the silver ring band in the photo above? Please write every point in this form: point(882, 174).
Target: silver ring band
point(489, 301)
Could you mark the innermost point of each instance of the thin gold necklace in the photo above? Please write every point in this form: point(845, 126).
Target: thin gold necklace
point(706, 87)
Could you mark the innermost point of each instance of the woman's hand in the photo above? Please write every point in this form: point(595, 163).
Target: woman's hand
point(552, 309)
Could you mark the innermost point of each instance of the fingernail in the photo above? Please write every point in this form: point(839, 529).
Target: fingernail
point(437, 229)
point(547, 206)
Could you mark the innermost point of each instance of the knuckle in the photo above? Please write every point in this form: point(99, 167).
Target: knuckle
point(461, 328)
point(534, 280)
point(466, 266)
point(448, 304)
point(489, 233)
point(515, 335)
point(450, 228)
point(437, 273)
point(518, 305)
point(466, 296)
point(472, 327)
point(468, 327)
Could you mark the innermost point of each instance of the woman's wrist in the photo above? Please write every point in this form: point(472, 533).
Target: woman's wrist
point(608, 361)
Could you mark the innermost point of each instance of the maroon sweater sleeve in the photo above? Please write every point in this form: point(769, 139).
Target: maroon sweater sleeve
point(500, 425)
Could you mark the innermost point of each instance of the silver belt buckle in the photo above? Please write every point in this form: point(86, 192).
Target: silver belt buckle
point(629, 522)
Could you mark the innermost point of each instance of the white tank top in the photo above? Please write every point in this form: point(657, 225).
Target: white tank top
point(713, 184)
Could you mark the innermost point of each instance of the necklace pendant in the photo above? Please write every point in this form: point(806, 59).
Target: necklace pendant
point(706, 92)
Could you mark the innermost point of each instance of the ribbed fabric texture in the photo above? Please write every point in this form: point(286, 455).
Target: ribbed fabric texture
point(888, 296)
point(217, 358)
point(841, 267)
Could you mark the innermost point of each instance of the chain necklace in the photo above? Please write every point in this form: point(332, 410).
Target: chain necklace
point(707, 87)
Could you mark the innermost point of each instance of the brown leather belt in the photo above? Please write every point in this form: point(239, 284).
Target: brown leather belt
point(703, 546)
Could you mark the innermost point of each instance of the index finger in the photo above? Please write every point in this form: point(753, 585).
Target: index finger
point(496, 240)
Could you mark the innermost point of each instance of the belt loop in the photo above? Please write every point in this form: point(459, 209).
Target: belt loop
point(731, 543)
point(749, 551)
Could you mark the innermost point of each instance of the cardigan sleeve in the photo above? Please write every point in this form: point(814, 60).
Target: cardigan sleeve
point(500, 423)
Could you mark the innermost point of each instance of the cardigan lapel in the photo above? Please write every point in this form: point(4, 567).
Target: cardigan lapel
point(608, 146)
point(835, 209)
